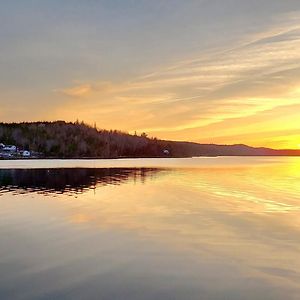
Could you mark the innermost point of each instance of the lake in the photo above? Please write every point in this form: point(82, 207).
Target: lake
point(193, 228)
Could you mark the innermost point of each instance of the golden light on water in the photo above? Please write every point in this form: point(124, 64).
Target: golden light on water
point(234, 218)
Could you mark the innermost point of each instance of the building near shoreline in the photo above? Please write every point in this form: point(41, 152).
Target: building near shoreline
point(26, 153)
point(10, 148)
point(11, 151)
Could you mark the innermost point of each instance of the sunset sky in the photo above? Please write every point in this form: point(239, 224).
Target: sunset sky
point(211, 71)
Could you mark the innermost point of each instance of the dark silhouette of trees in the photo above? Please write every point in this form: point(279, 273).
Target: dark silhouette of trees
point(62, 139)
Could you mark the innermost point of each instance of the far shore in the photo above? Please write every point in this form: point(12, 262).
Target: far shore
point(163, 163)
point(141, 157)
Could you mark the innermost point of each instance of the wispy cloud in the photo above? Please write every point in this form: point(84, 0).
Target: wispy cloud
point(77, 91)
point(259, 73)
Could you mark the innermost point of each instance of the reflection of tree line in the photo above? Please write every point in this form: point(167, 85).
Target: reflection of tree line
point(67, 180)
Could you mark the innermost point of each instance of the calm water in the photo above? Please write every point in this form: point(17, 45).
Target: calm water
point(201, 228)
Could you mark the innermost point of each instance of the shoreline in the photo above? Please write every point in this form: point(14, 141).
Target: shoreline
point(133, 158)
point(154, 163)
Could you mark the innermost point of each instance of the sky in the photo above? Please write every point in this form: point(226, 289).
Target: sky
point(209, 71)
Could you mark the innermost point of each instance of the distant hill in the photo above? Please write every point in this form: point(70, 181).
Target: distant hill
point(78, 140)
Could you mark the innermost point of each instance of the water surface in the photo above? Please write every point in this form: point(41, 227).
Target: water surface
point(201, 228)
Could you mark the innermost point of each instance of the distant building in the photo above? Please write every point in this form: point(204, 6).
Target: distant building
point(166, 152)
point(26, 153)
point(5, 155)
point(10, 148)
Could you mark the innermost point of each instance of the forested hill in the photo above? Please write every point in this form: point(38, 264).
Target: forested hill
point(75, 140)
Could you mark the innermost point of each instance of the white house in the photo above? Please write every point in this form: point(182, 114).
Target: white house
point(26, 153)
point(166, 152)
point(10, 148)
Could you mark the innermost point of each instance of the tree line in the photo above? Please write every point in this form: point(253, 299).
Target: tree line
point(62, 139)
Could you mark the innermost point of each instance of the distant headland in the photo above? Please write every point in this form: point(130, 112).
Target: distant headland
point(60, 139)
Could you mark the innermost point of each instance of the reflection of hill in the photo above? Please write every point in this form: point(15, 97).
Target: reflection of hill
point(66, 180)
